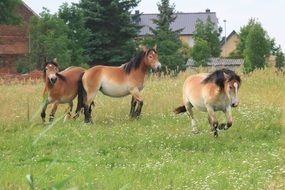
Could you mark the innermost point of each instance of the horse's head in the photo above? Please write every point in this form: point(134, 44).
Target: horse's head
point(151, 58)
point(51, 71)
point(232, 85)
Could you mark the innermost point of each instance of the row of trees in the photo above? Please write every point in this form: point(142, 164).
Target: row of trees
point(93, 32)
point(105, 32)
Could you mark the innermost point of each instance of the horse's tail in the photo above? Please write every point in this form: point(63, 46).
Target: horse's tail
point(179, 109)
point(81, 95)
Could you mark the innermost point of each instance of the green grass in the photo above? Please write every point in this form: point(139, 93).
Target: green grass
point(158, 151)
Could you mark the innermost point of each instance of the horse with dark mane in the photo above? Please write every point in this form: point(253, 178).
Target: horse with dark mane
point(213, 92)
point(60, 87)
point(117, 82)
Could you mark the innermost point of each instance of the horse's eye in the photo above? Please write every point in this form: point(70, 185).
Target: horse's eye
point(231, 87)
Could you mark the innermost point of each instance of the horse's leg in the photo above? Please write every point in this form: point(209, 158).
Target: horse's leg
point(191, 116)
point(133, 106)
point(68, 111)
point(87, 107)
point(53, 110)
point(43, 112)
point(139, 108)
point(139, 100)
point(212, 120)
point(228, 114)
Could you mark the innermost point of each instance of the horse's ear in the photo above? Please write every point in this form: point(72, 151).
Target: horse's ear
point(227, 77)
point(143, 47)
point(154, 47)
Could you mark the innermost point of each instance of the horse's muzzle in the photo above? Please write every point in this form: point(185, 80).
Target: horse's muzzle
point(53, 80)
point(234, 104)
point(157, 66)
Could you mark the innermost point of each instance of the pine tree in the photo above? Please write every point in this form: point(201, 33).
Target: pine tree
point(112, 30)
point(167, 40)
point(210, 34)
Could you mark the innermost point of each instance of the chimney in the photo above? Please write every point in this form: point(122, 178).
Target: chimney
point(208, 10)
point(137, 17)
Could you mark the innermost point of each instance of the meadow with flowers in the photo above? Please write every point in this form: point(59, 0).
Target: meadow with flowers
point(157, 151)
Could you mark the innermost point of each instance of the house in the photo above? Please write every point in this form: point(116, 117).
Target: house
point(14, 39)
point(185, 21)
point(229, 44)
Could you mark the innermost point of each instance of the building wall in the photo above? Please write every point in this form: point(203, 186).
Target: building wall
point(187, 39)
point(229, 46)
point(14, 40)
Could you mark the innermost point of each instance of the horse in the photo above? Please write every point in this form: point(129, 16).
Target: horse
point(213, 92)
point(120, 81)
point(60, 87)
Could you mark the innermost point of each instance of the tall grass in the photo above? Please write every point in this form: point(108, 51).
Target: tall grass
point(157, 151)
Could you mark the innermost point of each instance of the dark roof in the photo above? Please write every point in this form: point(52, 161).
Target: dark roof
point(218, 62)
point(29, 9)
point(228, 37)
point(183, 20)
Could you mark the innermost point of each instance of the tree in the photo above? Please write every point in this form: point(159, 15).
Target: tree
point(113, 30)
point(49, 40)
point(8, 12)
point(201, 52)
point(167, 40)
point(210, 34)
point(280, 59)
point(77, 34)
point(244, 32)
point(257, 47)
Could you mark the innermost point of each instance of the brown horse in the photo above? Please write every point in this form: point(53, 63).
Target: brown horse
point(117, 82)
point(60, 87)
point(210, 93)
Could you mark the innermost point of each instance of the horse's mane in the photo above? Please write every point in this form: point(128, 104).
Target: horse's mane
point(135, 61)
point(60, 76)
point(218, 77)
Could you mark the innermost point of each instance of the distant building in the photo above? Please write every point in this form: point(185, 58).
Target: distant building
point(230, 44)
point(185, 21)
point(14, 39)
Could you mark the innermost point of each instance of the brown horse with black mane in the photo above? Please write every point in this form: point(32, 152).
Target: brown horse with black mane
point(117, 82)
point(60, 87)
point(213, 92)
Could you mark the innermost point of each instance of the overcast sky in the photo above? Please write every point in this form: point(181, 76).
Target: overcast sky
point(236, 13)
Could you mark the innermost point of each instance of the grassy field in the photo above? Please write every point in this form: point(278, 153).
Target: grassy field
point(158, 151)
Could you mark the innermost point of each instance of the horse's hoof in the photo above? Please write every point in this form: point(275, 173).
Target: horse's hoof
point(134, 116)
point(216, 134)
point(88, 121)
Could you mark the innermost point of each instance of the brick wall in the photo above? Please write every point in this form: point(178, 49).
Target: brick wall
point(14, 40)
